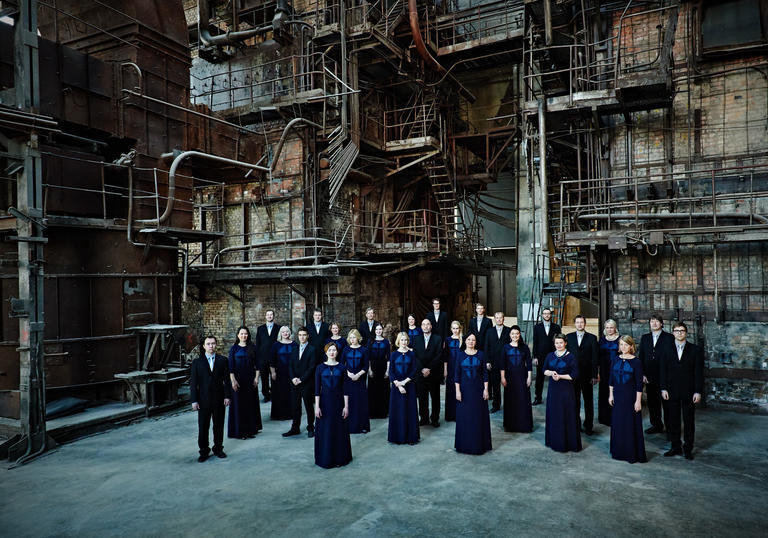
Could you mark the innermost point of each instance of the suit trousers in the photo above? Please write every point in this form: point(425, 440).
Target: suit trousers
point(204, 415)
point(265, 379)
point(540, 378)
point(307, 394)
point(494, 387)
point(655, 406)
point(428, 389)
point(673, 422)
point(583, 386)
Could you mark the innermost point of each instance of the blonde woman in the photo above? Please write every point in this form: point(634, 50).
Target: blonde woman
point(403, 411)
point(625, 396)
point(281, 377)
point(454, 345)
point(356, 360)
point(608, 350)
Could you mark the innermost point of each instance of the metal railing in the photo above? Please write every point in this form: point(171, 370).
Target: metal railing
point(283, 79)
point(676, 202)
point(422, 228)
point(503, 18)
point(415, 121)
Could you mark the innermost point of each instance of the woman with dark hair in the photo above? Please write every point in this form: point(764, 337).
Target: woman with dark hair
point(561, 432)
point(281, 376)
point(454, 346)
point(336, 337)
point(355, 359)
point(403, 413)
point(608, 351)
point(379, 350)
point(516, 378)
point(626, 396)
point(412, 329)
point(244, 412)
point(332, 445)
point(473, 422)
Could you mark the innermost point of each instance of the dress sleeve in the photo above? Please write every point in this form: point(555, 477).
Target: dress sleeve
point(573, 366)
point(366, 359)
point(611, 376)
point(638, 371)
point(481, 358)
point(231, 358)
point(414, 367)
point(318, 371)
point(457, 367)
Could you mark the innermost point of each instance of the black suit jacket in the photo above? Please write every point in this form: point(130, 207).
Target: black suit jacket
point(684, 377)
point(317, 339)
point(651, 356)
point(494, 344)
point(209, 388)
point(365, 333)
point(430, 356)
point(543, 343)
point(586, 354)
point(303, 368)
point(441, 327)
point(485, 325)
point(264, 342)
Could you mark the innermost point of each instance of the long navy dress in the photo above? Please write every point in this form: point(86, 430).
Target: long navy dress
point(627, 442)
point(562, 428)
point(378, 389)
point(332, 445)
point(340, 342)
point(609, 351)
point(473, 422)
point(244, 412)
point(452, 353)
point(517, 364)
point(281, 387)
point(356, 359)
point(403, 411)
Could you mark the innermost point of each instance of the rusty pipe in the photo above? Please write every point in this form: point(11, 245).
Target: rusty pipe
point(418, 41)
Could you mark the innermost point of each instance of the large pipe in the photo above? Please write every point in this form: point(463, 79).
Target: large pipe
point(187, 154)
point(413, 18)
point(230, 37)
point(658, 216)
point(543, 178)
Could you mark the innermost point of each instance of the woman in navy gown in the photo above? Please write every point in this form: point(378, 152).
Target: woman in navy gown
point(516, 379)
point(378, 388)
point(412, 329)
point(562, 428)
point(403, 411)
point(453, 350)
point(336, 337)
point(281, 378)
point(609, 350)
point(355, 359)
point(625, 396)
point(244, 413)
point(332, 445)
point(473, 422)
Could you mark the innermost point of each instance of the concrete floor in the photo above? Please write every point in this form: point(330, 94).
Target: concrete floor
point(144, 480)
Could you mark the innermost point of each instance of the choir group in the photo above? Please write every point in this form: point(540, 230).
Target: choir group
point(343, 382)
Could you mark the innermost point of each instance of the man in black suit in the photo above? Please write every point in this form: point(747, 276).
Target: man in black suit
point(441, 325)
point(428, 350)
point(266, 335)
point(301, 369)
point(210, 391)
point(367, 325)
point(319, 332)
point(495, 339)
point(543, 344)
point(584, 347)
point(654, 347)
point(479, 326)
point(682, 383)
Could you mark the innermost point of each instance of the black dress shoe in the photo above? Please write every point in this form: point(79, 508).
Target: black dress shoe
point(654, 429)
point(673, 452)
point(436, 424)
point(495, 409)
point(220, 454)
point(291, 432)
point(537, 401)
point(689, 455)
point(589, 431)
point(311, 433)
point(423, 423)
point(202, 457)
point(266, 399)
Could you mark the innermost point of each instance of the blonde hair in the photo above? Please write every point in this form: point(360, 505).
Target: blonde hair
point(630, 342)
point(610, 322)
point(356, 334)
point(461, 333)
point(400, 336)
point(286, 327)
